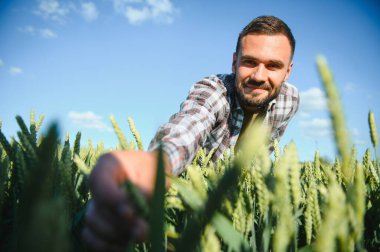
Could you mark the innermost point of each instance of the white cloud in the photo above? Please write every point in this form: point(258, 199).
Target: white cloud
point(316, 123)
point(120, 4)
point(316, 128)
point(138, 11)
point(58, 11)
point(137, 15)
point(1, 63)
point(52, 10)
point(160, 6)
point(135, 11)
point(304, 114)
point(356, 136)
point(88, 120)
point(28, 29)
point(354, 132)
point(312, 100)
point(47, 33)
point(43, 33)
point(89, 11)
point(15, 70)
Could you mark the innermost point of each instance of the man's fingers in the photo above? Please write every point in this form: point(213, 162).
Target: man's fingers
point(104, 181)
point(107, 227)
point(95, 243)
point(114, 229)
point(126, 211)
point(111, 216)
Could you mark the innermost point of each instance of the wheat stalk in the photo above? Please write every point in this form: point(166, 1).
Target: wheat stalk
point(337, 115)
point(373, 130)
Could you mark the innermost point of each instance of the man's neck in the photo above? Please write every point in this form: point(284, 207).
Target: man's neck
point(252, 115)
point(250, 111)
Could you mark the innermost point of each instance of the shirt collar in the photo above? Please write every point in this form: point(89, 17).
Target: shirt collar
point(271, 105)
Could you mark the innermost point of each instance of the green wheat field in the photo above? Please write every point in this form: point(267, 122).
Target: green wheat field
point(246, 201)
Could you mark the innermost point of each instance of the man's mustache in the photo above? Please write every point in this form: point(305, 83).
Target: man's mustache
point(261, 85)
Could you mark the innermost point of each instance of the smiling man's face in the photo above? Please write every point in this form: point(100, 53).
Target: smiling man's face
point(263, 63)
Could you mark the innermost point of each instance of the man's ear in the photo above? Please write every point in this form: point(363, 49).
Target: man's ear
point(288, 71)
point(234, 63)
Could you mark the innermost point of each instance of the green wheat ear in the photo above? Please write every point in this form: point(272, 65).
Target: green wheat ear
point(135, 133)
point(32, 127)
point(119, 133)
point(39, 122)
point(336, 114)
point(308, 214)
point(372, 129)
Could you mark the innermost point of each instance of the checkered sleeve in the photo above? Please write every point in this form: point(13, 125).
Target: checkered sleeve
point(188, 129)
point(290, 107)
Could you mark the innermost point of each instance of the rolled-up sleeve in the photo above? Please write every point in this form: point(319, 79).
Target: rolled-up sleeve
point(188, 129)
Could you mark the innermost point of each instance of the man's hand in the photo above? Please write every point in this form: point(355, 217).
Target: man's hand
point(111, 220)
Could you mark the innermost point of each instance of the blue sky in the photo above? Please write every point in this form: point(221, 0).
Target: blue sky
point(78, 62)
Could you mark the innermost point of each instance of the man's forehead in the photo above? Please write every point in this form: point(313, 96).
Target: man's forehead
point(276, 46)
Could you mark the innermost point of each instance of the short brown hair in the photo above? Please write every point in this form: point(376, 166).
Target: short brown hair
point(267, 25)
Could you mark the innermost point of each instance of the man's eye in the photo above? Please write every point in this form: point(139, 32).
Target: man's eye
point(249, 62)
point(273, 66)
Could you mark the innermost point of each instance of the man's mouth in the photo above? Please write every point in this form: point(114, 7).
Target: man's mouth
point(254, 88)
point(256, 85)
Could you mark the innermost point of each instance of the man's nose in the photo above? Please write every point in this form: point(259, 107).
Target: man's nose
point(259, 73)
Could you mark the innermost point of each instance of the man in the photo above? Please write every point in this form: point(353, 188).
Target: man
point(216, 112)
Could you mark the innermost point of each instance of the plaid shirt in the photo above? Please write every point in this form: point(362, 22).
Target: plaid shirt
point(212, 117)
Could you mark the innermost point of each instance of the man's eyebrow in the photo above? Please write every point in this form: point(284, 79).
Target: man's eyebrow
point(276, 62)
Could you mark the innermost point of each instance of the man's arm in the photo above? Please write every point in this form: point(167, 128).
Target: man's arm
point(111, 220)
point(187, 130)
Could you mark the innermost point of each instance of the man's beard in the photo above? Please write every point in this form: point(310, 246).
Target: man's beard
point(247, 101)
